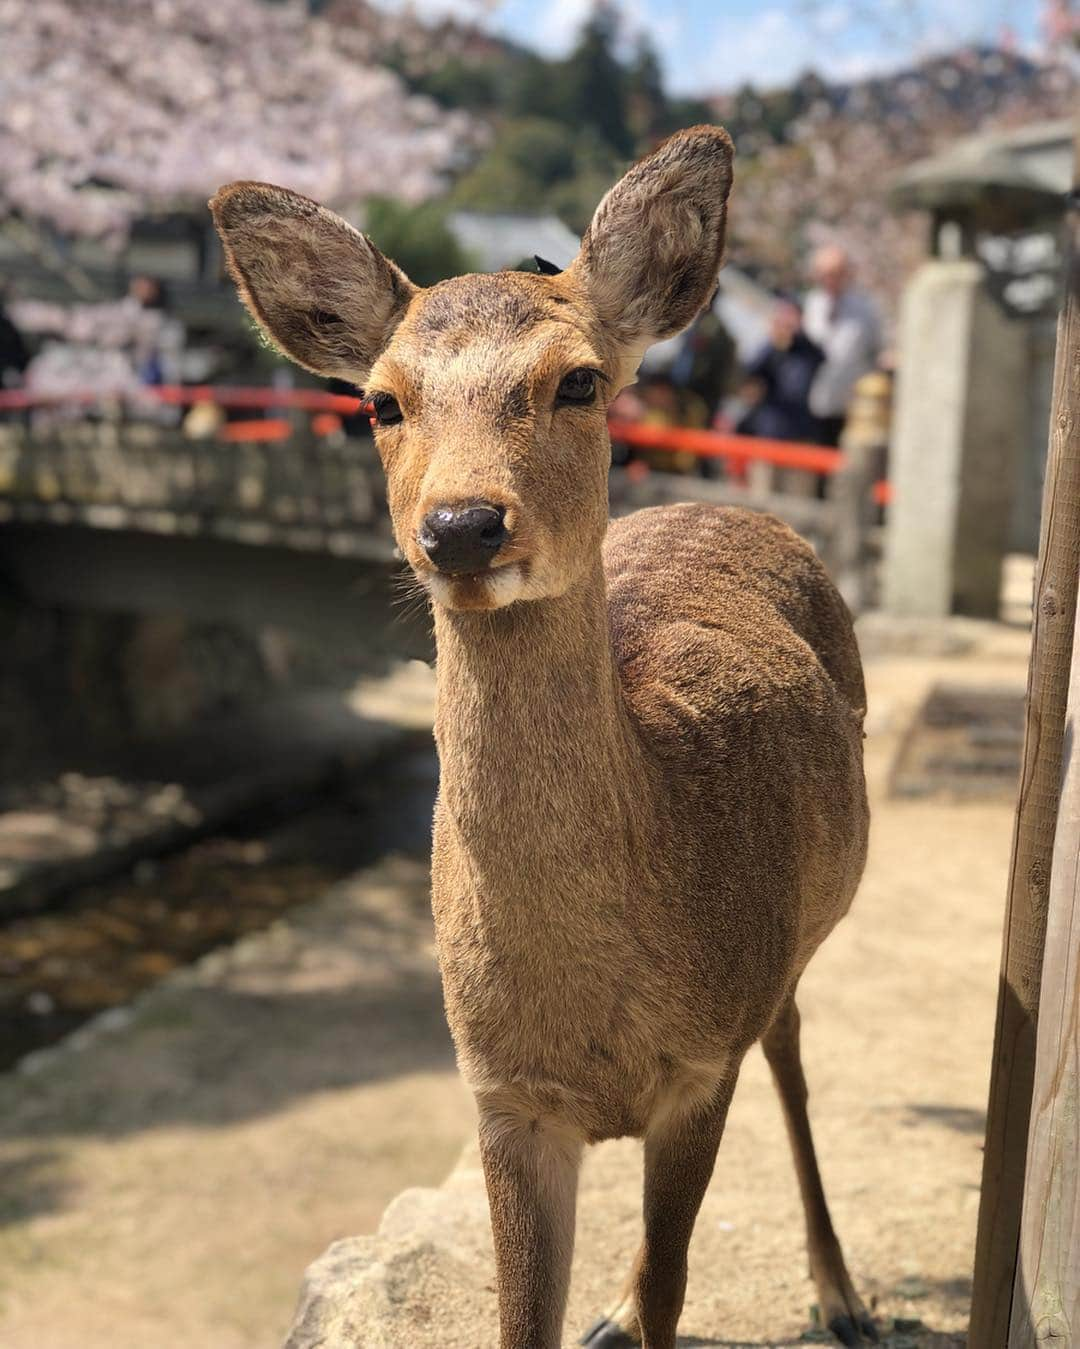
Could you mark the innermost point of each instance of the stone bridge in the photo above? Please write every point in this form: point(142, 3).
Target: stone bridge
point(129, 515)
point(121, 514)
point(148, 578)
point(305, 492)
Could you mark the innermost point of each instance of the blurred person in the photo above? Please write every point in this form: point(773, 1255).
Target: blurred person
point(626, 406)
point(844, 323)
point(656, 400)
point(779, 379)
point(14, 356)
point(659, 400)
point(706, 364)
point(665, 404)
point(157, 343)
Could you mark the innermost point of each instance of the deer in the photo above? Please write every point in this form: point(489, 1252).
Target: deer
point(651, 808)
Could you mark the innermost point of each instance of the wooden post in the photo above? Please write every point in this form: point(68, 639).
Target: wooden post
point(1046, 1289)
point(1013, 1063)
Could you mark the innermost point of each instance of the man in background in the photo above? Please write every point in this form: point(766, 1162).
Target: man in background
point(707, 361)
point(843, 321)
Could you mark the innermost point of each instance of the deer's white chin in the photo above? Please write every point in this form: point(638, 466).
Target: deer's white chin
point(493, 589)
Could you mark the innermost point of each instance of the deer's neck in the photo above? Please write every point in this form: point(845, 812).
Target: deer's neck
point(541, 766)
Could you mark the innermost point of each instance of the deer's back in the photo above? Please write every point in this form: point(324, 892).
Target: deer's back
point(739, 665)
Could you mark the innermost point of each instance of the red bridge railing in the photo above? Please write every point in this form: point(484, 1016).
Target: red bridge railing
point(227, 396)
point(734, 449)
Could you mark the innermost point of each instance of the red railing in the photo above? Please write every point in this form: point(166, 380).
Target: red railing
point(738, 450)
point(326, 407)
point(226, 396)
point(725, 445)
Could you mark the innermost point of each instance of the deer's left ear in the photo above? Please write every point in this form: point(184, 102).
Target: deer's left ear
point(320, 290)
point(650, 258)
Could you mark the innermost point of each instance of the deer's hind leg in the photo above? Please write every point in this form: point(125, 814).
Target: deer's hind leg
point(679, 1157)
point(841, 1309)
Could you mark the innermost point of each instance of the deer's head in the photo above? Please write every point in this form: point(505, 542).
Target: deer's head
point(490, 392)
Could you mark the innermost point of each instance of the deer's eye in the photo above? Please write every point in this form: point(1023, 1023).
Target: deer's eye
point(579, 386)
point(386, 408)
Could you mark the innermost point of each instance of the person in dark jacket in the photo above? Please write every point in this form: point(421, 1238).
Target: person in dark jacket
point(778, 380)
point(14, 357)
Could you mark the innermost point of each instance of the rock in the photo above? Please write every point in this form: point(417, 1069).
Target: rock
point(432, 1250)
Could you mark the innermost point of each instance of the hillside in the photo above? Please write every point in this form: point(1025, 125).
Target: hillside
point(109, 110)
point(817, 160)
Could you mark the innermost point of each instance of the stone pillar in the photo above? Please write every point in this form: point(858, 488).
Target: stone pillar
point(959, 424)
point(865, 446)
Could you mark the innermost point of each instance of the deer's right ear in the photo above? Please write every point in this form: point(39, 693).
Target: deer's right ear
point(650, 257)
point(320, 290)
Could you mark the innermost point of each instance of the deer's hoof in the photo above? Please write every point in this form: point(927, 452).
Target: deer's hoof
point(605, 1334)
point(854, 1330)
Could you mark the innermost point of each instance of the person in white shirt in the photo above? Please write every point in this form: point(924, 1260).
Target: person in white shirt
point(844, 323)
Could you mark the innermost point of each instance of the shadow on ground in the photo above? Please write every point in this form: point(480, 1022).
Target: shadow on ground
point(924, 1338)
point(193, 1063)
point(31, 1184)
point(961, 1118)
point(344, 992)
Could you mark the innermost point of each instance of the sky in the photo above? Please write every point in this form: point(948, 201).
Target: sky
point(708, 46)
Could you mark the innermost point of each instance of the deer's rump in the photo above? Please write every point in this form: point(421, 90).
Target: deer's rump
point(740, 667)
point(732, 571)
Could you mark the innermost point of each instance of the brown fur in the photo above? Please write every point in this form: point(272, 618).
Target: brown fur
point(320, 290)
point(652, 807)
point(651, 254)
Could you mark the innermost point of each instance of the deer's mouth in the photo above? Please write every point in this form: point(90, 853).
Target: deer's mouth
point(492, 588)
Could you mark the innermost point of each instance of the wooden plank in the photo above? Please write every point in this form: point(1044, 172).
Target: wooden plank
point(1013, 1062)
point(1046, 1289)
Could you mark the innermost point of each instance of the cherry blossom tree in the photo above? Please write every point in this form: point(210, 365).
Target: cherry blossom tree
point(109, 108)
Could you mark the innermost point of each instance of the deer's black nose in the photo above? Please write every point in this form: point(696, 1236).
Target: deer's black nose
point(463, 538)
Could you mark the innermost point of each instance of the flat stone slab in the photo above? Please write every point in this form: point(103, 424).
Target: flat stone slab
point(964, 741)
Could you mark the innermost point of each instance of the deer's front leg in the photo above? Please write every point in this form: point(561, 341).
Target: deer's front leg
point(679, 1157)
point(531, 1168)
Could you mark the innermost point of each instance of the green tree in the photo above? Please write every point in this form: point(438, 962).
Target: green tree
point(683, 112)
point(417, 238)
point(533, 87)
point(596, 92)
point(596, 165)
point(528, 157)
point(461, 84)
point(536, 164)
point(646, 101)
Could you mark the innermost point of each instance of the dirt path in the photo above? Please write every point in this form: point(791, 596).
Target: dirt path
point(166, 1183)
point(163, 1183)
